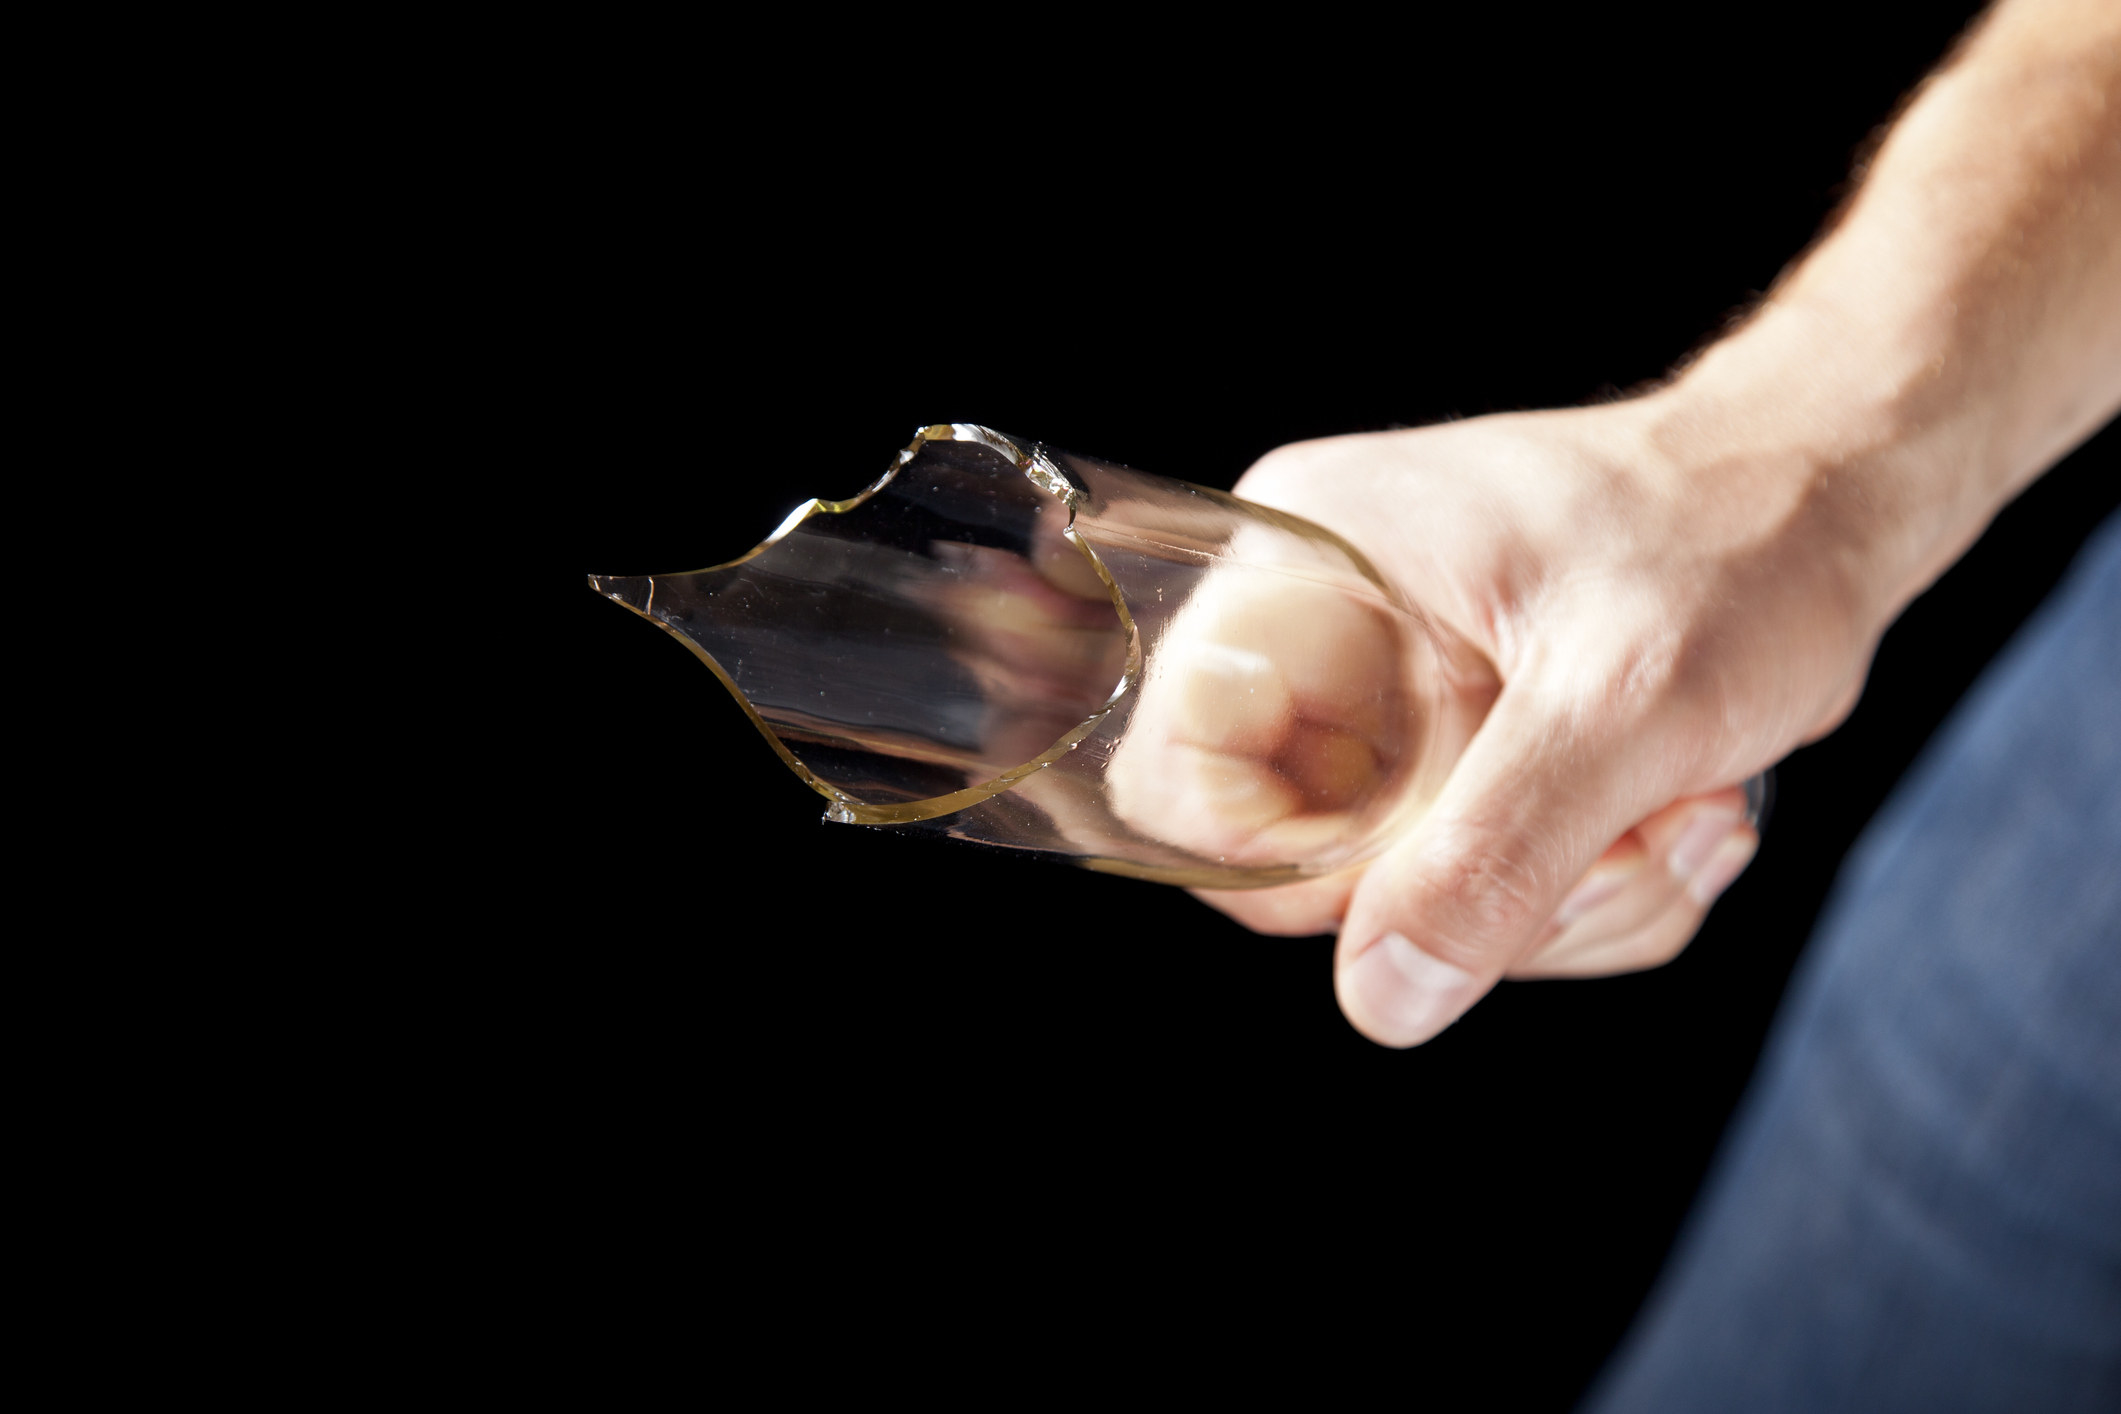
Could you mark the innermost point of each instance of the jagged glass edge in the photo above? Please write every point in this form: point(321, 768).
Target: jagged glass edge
point(844, 808)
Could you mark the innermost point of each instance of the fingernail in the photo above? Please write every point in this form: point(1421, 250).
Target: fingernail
point(1407, 994)
point(1698, 841)
point(1594, 888)
point(1723, 866)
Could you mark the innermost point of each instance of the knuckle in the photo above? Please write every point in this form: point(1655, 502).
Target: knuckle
point(1482, 886)
point(1656, 664)
point(1283, 467)
point(1660, 953)
point(1302, 913)
point(1659, 946)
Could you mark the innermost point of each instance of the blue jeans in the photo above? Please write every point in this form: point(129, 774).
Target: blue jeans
point(1919, 1204)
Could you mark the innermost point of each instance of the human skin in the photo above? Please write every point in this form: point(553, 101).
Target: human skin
point(1668, 594)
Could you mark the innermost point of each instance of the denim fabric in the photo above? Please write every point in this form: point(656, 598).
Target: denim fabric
point(1919, 1205)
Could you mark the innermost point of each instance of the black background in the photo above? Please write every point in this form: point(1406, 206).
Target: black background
point(809, 1068)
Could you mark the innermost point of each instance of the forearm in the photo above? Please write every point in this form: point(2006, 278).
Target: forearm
point(1958, 331)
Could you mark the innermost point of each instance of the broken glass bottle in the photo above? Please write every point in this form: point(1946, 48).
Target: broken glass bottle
point(1026, 648)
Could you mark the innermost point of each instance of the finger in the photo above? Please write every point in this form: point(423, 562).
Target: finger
point(1658, 940)
point(1309, 648)
point(1293, 911)
point(1438, 919)
point(1844, 704)
point(1652, 945)
point(1212, 802)
point(1635, 880)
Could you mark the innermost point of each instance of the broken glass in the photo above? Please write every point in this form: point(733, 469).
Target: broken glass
point(1026, 648)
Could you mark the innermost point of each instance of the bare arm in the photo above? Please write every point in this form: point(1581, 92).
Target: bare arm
point(1960, 329)
point(1661, 596)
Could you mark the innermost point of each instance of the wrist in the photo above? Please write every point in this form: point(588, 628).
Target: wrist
point(1841, 442)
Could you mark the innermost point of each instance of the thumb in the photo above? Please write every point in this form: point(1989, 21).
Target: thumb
point(1438, 919)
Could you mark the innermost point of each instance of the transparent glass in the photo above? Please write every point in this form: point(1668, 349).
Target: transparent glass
point(1021, 647)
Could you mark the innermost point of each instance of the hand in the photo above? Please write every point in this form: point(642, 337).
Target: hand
point(1282, 719)
point(1650, 631)
point(1675, 591)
